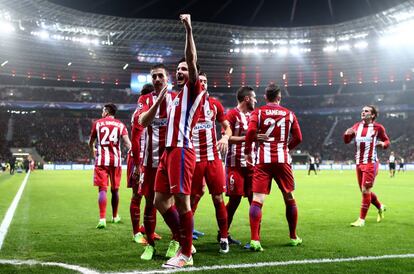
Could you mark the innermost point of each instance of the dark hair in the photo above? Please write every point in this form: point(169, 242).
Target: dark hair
point(147, 88)
point(111, 108)
point(374, 111)
point(162, 66)
point(202, 73)
point(272, 91)
point(183, 60)
point(243, 92)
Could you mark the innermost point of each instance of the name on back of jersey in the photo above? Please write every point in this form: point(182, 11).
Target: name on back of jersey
point(275, 112)
point(109, 123)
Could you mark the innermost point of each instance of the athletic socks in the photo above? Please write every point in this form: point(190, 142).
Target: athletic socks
point(366, 201)
point(186, 232)
point(255, 216)
point(150, 222)
point(172, 219)
point(221, 217)
point(102, 204)
point(375, 201)
point(291, 217)
point(231, 207)
point(114, 202)
point(135, 212)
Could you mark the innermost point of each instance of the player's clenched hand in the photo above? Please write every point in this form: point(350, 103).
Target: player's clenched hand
point(223, 144)
point(186, 20)
point(380, 144)
point(136, 174)
point(350, 131)
point(262, 137)
point(249, 159)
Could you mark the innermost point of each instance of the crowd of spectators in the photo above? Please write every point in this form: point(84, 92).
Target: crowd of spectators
point(61, 136)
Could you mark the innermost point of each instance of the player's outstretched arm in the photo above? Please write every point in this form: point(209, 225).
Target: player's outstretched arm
point(190, 49)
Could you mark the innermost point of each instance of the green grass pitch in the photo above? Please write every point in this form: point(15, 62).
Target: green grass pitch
point(57, 214)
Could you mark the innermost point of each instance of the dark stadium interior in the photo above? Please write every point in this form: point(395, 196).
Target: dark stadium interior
point(50, 83)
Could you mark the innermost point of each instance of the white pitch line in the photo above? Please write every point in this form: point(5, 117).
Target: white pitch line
point(85, 270)
point(4, 227)
point(80, 269)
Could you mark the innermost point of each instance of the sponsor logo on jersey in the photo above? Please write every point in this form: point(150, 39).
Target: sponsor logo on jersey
point(203, 125)
point(159, 122)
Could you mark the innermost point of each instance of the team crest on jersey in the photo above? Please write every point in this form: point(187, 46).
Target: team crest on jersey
point(209, 113)
point(140, 106)
point(176, 102)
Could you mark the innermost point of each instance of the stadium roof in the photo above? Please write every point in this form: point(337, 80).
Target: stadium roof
point(260, 13)
point(56, 42)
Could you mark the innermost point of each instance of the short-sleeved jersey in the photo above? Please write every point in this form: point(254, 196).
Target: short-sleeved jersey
point(156, 131)
point(366, 137)
point(108, 132)
point(204, 132)
point(239, 123)
point(281, 127)
point(391, 159)
point(183, 113)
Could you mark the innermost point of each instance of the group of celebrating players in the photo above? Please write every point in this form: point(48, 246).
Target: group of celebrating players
point(174, 154)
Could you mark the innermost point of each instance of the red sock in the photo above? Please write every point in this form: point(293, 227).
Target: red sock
point(231, 207)
point(186, 232)
point(221, 216)
point(194, 202)
point(135, 212)
point(150, 222)
point(375, 201)
point(102, 204)
point(291, 217)
point(255, 216)
point(172, 219)
point(366, 201)
point(114, 202)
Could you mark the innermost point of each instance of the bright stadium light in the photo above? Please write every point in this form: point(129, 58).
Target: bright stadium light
point(6, 27)
point(4, 63)
point(69, 64)
point(231, 70)
point(329, 49)
point(344, 47)
point(361, 45)
point(125, 66)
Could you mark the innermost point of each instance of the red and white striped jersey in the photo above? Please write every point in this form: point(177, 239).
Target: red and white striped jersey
point(137, 139)
point(282, 129)
point(183, 113)
point(239, 123)
point(366, 137)
point(204, 132)
point(156, 131)
point(108, 132)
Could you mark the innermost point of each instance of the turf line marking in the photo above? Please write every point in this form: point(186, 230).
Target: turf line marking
point(10, 212)
point(85, 270)
point(80, 269)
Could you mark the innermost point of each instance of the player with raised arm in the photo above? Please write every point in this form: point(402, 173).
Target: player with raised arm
point(282, 132)
point(209, 166)
point(108, 132)
point(176, 169)
point(368, 134)
point(153, 117)
point(239, 173)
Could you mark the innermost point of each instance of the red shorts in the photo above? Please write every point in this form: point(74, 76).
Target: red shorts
point(239, 181)
point(280, 172)
point(366, 174)
point(101, 174)
point(213, 173)
point(147, 181)
point(175, 171)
